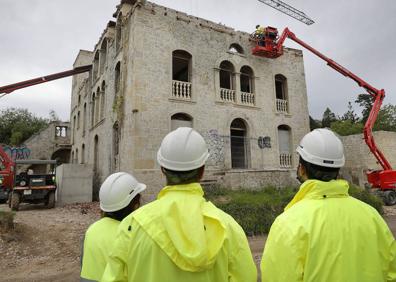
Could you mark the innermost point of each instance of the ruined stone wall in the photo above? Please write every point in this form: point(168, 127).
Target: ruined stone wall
point(150, 33)
point(359, 158)
point(45, 143)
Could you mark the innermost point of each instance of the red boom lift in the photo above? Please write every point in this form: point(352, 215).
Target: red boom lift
point(271, 46)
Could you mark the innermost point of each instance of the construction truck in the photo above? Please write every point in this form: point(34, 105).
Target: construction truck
point(270, 45)
point(19, 184)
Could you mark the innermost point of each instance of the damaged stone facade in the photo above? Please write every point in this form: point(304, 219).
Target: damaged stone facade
point(155, 69)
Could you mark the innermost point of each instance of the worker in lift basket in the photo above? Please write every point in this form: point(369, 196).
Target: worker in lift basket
point(260, 34)
point(119, 196)
point(324, 234)
point(180, 236)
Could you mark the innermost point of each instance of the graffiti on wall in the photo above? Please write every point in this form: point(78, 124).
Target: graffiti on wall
point(17, 153)
point(216, 147)
point(264, 142)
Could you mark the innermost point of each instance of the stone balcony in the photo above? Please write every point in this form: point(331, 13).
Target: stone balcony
point(282, 106)
point(285, 160)
point(239, 98)
point(181, 90)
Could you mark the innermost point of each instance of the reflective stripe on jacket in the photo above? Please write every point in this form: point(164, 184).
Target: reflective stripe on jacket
point(98, 242)
point(326, 235)
point(180, 237)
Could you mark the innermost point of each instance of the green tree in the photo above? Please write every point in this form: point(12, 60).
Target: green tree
point(53, 116)
point(17, 125)
point(366, 102)
point(350, 114)
point(386, 119)
point(313, 123)
point(346, 127)
point(328, 118)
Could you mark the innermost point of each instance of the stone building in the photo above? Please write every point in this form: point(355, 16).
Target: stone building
point(155, 69)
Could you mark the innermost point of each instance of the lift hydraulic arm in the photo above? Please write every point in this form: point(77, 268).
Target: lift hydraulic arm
point(272, 47)
point(378, 95)
point(12, 87)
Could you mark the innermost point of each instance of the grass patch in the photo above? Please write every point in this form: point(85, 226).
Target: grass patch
point(255, 211)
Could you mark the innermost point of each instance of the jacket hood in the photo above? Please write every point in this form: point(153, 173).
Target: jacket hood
point(315, 189)
point(186, 227)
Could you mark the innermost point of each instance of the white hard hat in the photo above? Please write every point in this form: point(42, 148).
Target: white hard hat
point(182, 149)
point(322, 147)
point(118, 190)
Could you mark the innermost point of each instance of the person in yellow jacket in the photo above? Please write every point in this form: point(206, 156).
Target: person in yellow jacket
point(180, 236)
point(324, 234)
point(260, 34)
point(119, 196)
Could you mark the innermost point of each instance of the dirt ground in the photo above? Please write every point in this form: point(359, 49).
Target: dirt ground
point(45, 245)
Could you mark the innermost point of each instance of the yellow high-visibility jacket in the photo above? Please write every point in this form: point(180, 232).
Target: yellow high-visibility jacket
point(180, 237)
point(98, 243)
point(324, 235)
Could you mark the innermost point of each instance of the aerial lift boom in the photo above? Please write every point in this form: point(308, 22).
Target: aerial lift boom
point(271, 46)
point(4, 90)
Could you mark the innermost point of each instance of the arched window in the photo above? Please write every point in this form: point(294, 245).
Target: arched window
point(74, 129)
point(103, 55)
point(247, 86)
point(181, 74)
point(281, 94)
point(181, 65)
point(117, 78)
point(83, 153)
point(96, 154)
point(103, 100)
point(247, 79)
point(78, 120)
point(181, 120)
point(95, 66)
point(116, 146)
point(97, 105)
point(285, 146)
point(236, 48)
point(84, 117)
point(119, 32)
point(93, 106)
point(227, 77)
point(239, 144)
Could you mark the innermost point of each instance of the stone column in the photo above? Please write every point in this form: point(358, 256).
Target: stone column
point(237, 77)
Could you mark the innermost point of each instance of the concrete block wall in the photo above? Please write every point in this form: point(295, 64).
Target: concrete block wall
point(74, 183)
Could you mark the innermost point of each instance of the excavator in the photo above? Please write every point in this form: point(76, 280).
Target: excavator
point(20, 187)
point(269, 44)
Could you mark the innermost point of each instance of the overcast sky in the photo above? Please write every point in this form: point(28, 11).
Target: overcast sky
point(40, 37)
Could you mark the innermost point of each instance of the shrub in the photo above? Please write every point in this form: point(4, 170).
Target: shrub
point(256, 210)
point(366, 196)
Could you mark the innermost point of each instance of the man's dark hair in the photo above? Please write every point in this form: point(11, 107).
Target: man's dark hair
point(182, 177)
point(320, 172)
point(123, 213)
